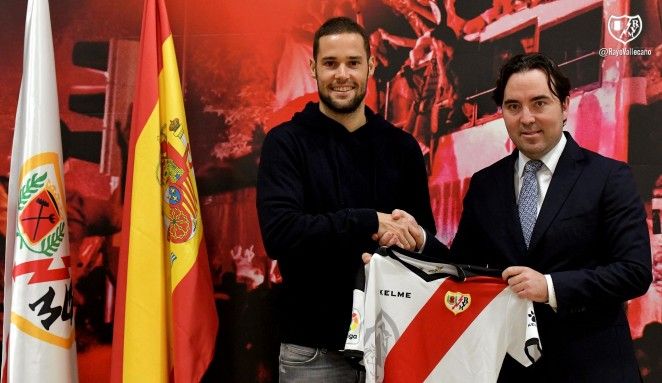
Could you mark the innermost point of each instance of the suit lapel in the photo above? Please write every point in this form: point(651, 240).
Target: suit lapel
point(565, 176)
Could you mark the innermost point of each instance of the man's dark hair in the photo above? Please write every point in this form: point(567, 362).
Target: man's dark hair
point(558, 83)
point(338, 25)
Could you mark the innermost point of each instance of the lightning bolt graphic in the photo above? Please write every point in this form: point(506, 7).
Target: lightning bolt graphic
point(41, 272)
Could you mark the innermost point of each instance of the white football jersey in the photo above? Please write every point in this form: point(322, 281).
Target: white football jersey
point(414, 323)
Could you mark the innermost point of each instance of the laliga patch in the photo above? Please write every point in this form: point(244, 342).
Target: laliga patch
point(354, 327)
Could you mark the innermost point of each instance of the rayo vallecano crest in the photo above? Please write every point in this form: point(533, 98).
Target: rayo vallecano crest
point(457, 302)
point(625, 28)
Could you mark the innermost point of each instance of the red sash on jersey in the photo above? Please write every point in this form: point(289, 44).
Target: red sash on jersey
point(435, 331)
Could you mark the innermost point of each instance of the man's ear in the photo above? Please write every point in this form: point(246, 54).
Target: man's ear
point(313, 71)
point(564, 107)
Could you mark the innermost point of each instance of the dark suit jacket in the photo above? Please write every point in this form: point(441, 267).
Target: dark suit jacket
point(591, 237)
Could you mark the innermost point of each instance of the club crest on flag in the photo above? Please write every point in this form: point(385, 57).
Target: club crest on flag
point(181, 206)
point(625, 28)
point(41, 226)
point(39, 214)
point(457, 302)
point(41, 270)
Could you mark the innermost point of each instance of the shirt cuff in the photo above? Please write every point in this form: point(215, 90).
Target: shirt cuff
point(425, 238)
point(550, 292)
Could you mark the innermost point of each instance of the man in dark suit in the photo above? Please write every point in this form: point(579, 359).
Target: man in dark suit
point(569, 228)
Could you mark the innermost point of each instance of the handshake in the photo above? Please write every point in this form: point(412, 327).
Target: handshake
point(399, 228)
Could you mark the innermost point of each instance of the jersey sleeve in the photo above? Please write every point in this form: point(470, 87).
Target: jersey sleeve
point(372, 357)
point(354, 344)
point(523, 340)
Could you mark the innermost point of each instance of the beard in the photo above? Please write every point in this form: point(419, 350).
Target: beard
point(344, 107)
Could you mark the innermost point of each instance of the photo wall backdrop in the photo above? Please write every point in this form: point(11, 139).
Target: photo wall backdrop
point(244, 69)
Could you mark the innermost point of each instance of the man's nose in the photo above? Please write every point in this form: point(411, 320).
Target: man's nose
point(527, 117)
point(342, 72)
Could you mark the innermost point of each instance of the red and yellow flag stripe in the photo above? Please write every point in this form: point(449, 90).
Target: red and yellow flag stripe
point(165, 317)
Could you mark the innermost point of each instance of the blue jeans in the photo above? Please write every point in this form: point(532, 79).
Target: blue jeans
point(300, 364)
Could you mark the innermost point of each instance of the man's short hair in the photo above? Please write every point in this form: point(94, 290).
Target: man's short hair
point(558, 83)
point(336, 26)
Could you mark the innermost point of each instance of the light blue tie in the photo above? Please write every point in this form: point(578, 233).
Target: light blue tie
point(528, 199)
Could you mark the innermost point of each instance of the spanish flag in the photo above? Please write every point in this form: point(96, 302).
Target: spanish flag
point(165, 317)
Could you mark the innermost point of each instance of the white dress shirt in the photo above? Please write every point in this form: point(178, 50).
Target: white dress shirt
point(544, 177)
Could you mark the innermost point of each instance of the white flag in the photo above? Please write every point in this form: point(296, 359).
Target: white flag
point(38, 339)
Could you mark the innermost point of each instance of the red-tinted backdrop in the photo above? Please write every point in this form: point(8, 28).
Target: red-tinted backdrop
point(244, 67)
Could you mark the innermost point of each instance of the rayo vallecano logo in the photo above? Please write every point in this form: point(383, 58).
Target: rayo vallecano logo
point(457, 302)
point(625, 28)
point(42, 304)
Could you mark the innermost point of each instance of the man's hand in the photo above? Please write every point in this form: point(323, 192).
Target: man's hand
point(398, 228)
point(526, 283)
point(393, 232)
point(414, 228)
point(366, 257)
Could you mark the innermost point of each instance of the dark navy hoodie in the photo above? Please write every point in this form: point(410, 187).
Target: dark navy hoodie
point(319, 188)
